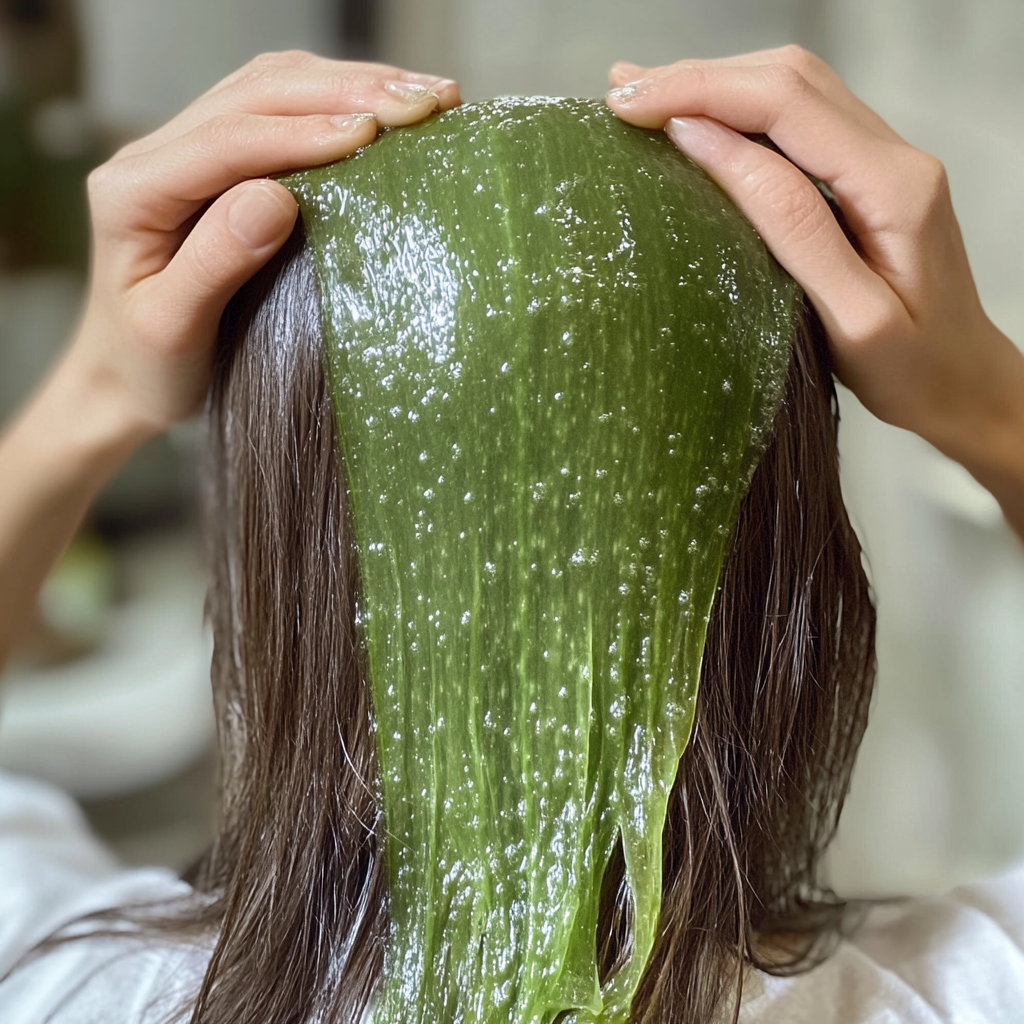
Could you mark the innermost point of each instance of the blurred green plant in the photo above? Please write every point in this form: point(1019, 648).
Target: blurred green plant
point(47, 145)
point(43, 211)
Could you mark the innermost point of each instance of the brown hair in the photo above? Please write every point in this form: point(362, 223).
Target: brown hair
point(294, 888)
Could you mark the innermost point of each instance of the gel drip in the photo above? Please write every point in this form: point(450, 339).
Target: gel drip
point(555, 348)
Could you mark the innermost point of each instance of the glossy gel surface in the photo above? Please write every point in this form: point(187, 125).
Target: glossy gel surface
point(554, 348)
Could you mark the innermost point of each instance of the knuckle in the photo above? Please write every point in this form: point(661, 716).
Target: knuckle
point(694, 74)
point(113, 187)
point(274, 59)
point(98, 180)
point(104, 182)
point(794, 203)
point(260, 61)
point(221, 134)
point(697, 77)
point(931, 174)
point(797, 57)
point(352, 83)
point(927, 185)
point(787, 82)
point(261, 76)
point(293, 58)
point(815, 72)
point(120, 194)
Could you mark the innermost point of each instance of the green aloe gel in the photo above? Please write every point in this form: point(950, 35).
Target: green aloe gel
point(555, 349)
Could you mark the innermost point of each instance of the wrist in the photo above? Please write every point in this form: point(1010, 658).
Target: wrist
point(59, 451)
point(78, 427)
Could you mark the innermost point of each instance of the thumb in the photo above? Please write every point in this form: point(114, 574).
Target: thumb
point(232, 240)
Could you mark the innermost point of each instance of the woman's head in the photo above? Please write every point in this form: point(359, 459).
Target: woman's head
point(297, 873)
point(551, 378)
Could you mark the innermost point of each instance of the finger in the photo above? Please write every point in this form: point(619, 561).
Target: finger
point(161, 190)
point(811, 67)
point(776, 100)
point(777, 70)
point(321, 87)
point(622, 72)
point(267, 68)
point(394, 97)
point(795, 222)
point(446, 89)
point(231, 241)
point(815, 70)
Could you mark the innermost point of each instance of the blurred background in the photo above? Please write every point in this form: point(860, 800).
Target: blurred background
point(109, 693)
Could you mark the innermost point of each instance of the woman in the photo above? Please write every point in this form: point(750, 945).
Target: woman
point(896, 330)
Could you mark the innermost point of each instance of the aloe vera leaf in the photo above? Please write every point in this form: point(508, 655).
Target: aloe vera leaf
point(554, 348)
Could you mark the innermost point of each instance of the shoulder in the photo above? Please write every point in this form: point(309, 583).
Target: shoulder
point(956, 959)
point(105, 981)
point(53, 871)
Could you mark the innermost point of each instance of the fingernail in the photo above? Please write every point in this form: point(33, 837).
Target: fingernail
point(347, 123)
point(409, 92)
point(432, 82)
point(626, 92)
point(258, 216)
point(696, 136)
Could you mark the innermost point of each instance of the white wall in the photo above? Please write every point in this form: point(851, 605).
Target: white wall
point(564, 47)
point(147, 59)
point(949, 75)
point(939, 795)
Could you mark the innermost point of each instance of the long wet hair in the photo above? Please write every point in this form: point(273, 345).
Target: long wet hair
point(293, 893)
point(296, 875)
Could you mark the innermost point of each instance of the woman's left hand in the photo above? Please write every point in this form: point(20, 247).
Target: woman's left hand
point(905, 325)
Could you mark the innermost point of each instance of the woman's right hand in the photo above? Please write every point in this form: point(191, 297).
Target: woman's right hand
point(180, 220)
point(906, 327)
point(184, 216)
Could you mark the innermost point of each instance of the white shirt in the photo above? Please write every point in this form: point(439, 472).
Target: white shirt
point(954, 960)
point(52, 871)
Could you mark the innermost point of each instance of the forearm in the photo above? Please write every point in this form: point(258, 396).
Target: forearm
point(54, 457)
